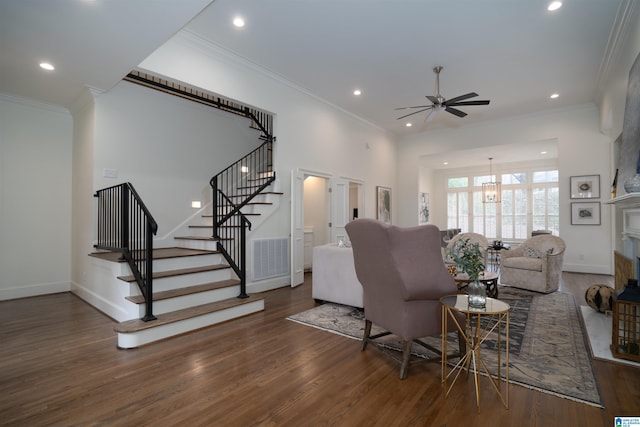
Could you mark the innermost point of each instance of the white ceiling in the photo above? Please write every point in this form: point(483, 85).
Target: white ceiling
point(92, 43)
point(513, 52)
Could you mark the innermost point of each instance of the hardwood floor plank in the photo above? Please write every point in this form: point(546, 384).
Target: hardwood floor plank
point(59, 365)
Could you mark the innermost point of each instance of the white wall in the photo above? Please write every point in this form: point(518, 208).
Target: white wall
point(35, 198)
point(167, 147)
point(582, 150)
point(311, 134)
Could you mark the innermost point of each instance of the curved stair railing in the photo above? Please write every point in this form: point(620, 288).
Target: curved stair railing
point(233, 189)
point(125, 225)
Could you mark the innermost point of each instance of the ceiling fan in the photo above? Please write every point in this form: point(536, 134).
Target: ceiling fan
point(439, 103)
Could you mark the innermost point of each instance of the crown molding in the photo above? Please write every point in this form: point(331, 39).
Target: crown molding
point(33, 104)
point(621, 27)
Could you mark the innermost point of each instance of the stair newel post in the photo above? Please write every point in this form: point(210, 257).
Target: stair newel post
point(243, 258)
point(214, 206)
point(124, 220)
point(148, 315)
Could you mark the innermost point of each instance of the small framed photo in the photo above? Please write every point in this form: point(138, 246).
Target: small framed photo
point(585, 187)
point(585, 213)
point(383, 204)
point(423, 208)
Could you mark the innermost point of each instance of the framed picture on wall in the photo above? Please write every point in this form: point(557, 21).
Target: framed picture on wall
point(383, 202)
point(423, 208)
point(585, 187)
point(586, 213)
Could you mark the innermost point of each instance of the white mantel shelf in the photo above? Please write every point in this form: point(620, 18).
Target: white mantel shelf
point(631, 200)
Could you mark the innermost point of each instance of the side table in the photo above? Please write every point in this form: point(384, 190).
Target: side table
point(496, 315)
point(493, 256)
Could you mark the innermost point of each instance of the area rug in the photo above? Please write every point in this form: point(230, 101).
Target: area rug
point(599, 330)
point(548, 351)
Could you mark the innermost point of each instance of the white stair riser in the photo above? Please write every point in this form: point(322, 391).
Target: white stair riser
point(200, 231)
point(123, 269)
point(205, 245)
point(187, 262)
point(136, 339)
point(192, 279)
point(191, 300)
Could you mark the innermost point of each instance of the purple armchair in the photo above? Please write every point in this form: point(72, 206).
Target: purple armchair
point(403, 277)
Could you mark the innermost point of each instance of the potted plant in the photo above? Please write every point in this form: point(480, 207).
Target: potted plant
point(468, 258)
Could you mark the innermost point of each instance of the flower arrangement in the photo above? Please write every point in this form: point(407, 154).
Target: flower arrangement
point(467, 257)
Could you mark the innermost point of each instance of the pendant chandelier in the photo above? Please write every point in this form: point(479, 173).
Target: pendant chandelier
point(491, 190)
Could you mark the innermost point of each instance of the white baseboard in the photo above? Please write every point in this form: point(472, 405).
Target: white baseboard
point(99, 303)
point(34, 290)
point(588, 269)
point(268, 284)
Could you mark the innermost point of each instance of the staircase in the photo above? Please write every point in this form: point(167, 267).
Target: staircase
point(193, 288)
point(193, 285)
point(200, 281)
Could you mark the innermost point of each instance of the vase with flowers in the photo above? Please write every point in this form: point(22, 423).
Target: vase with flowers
point(468, 258)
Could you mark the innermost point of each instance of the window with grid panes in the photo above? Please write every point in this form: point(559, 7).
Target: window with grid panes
point(529, 202)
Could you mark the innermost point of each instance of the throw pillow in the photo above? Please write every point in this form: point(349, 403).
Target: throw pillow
point(532, 253)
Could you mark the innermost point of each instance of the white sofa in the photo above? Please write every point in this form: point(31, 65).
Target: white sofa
point(334, 276)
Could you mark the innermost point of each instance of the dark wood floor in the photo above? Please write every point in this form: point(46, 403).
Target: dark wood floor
point(59, 365)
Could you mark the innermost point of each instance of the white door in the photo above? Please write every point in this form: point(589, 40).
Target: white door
point(297, 228)
point(339, 209)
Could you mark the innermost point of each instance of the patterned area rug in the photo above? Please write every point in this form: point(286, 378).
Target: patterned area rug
point(548, 350)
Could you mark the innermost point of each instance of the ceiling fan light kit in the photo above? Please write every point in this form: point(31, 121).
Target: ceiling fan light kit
point(439, 102)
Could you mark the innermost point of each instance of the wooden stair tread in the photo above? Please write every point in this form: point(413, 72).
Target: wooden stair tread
point(172, 293)
point(179, 272)
point(136, 325)
point(205, 238)
point(159, 253)
point(245, 214)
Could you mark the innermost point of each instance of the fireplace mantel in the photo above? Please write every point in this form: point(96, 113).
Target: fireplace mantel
point(628, 201)
point(629, 204)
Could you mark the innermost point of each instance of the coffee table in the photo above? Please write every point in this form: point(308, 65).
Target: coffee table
point(475, 332)
point(489, 278)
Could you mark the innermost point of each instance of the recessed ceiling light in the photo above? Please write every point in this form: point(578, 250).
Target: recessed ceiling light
point(238, 22)
point(445, 163)
point(357, 92)
point(409, 125)
point(554, 96)
point(554, 5)
point(47, 66)
point(543, 152)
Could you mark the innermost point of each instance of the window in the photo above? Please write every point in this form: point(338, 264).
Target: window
point(529, 202)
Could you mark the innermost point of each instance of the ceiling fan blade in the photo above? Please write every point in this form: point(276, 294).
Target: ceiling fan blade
point(480, 102)
point(433, 99)
point(417, 106)
point(430, 115)
point(456, 112)
point(460, 98)
point(415, 112)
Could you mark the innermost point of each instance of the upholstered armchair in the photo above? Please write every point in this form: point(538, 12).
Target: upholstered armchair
point(403, 278)
point(535, 265)
point(482, 242)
